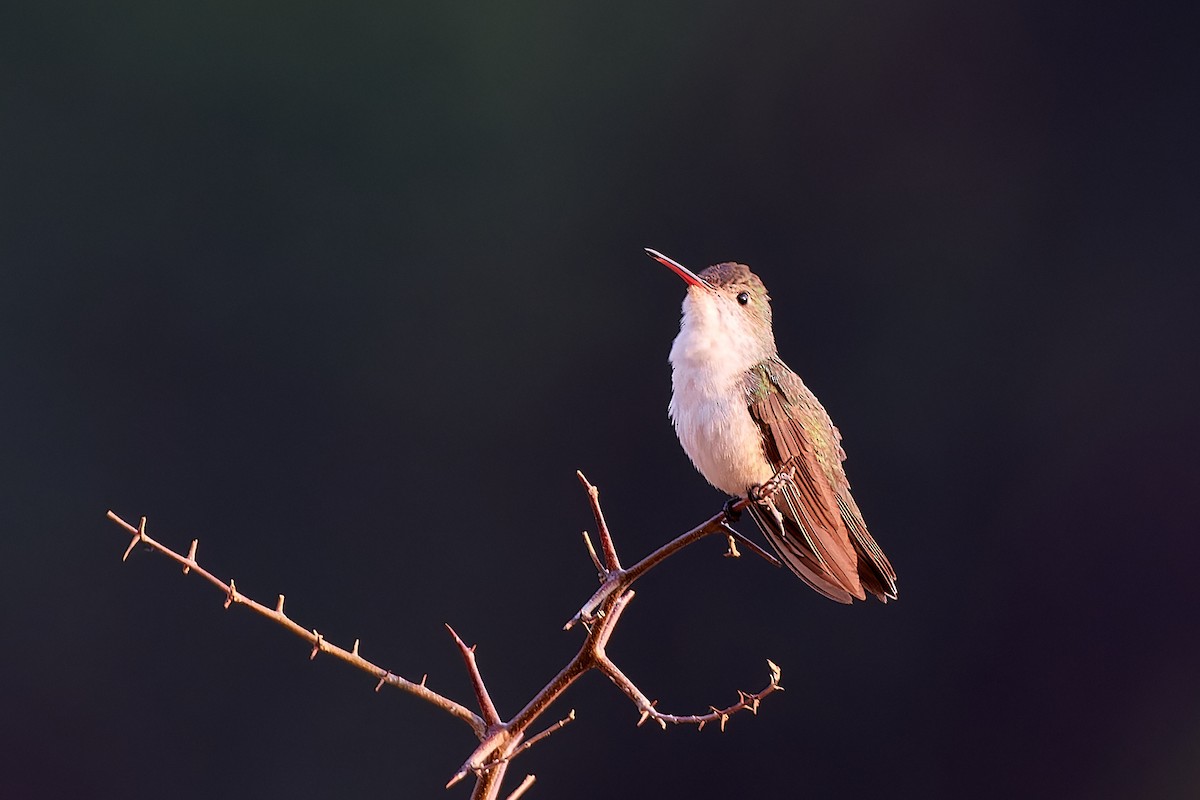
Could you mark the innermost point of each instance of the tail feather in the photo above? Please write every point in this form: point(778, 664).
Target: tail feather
point(798, 558)
point(874, 569)
point(810, 555)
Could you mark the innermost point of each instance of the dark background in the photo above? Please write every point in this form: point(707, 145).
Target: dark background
point(349, 291)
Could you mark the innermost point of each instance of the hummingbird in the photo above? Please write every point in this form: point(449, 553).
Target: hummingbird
point(742, 416)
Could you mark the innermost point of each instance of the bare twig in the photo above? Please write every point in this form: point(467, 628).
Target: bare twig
point(520, 790)
point(749, 544)
point(490, 715)
point(501, 741)
point(619, 579)
point(746, 700)
point(611, 562)
point(488, 782)
point(320, 643)
point(591, 548)
point(552, 729)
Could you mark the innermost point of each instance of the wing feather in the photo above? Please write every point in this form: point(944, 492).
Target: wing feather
point(798, 558)
point(813, 522)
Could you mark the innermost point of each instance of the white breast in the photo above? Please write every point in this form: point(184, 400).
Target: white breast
point(709, 359)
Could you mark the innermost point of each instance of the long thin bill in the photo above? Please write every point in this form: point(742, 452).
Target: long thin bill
point(689, 277)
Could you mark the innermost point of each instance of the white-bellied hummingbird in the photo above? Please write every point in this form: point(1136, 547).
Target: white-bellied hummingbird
point(742, 416)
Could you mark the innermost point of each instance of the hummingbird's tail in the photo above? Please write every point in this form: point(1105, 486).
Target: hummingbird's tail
point(819, 558)
point(802, 556)
point(874, 569)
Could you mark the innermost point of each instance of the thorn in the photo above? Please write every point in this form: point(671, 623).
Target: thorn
point(724, 719)
point(591, 548)
point(316, 645)
point(383, 679)
point(641, 719)
point(140, 536)
point(191, 557)
point(231, 595)
point(424, 678)
point(354, 650)
point(128, 550)
point(701, 725)
point(776, 672)
point(662, 723)
point(279, 607)
point(458, 776)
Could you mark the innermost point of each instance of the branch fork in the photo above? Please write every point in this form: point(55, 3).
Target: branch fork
point(500, 741)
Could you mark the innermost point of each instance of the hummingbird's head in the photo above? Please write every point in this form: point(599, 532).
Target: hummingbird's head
point(727, 309)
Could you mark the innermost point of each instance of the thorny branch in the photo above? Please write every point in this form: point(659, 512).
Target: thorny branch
point(319, 643)
point(501, 741)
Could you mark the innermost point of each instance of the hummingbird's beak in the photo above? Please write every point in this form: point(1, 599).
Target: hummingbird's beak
point(689, 277)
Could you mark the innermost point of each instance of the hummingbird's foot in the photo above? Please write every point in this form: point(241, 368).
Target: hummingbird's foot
point(755, 493)
point(732, 514)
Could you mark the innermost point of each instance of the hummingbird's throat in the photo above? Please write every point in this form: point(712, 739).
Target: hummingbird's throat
point(710, 361)
point(718, 336)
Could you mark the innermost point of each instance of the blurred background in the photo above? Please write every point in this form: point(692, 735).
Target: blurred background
point(349, 291)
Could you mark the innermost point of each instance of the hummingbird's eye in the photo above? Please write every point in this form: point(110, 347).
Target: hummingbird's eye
point(743, 298)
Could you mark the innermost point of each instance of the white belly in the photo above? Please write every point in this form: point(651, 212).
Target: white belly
point(721, 439)
point(708, 407)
